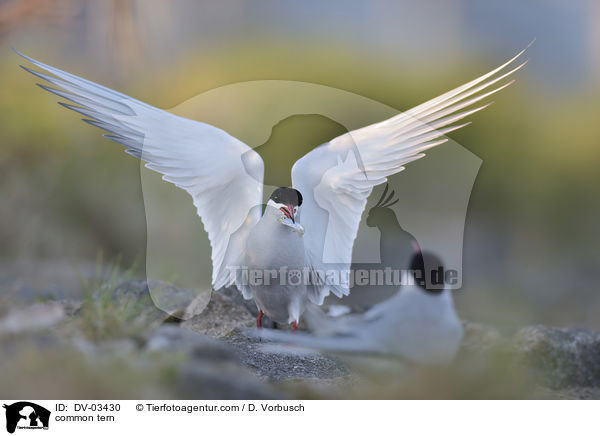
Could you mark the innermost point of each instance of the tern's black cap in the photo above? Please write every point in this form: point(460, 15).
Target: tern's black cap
point(286, 195)
point(424, 263)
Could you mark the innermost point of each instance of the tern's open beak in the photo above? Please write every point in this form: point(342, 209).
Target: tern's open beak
point(288, 211)
point(291, 212)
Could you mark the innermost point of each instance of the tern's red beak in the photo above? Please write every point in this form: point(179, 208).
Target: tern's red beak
point(288, 212)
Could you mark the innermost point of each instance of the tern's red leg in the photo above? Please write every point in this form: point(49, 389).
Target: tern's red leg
point(295, 326)
point(259, 319)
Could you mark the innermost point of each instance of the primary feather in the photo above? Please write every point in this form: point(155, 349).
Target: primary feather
point(338, 176)
point(205, 161)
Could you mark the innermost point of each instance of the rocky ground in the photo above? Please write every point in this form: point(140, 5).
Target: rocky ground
point(105, 338)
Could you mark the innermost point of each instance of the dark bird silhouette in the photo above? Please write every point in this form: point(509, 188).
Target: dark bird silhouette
point(397, 247)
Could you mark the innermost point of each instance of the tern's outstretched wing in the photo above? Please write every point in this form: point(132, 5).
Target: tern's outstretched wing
point(205, 161)
point(336, 178)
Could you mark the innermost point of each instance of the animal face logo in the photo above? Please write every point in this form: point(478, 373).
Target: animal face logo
point(423, 207)
point(26, 415)
point(381, 213)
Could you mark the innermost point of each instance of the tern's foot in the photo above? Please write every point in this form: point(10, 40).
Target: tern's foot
point(259, 319)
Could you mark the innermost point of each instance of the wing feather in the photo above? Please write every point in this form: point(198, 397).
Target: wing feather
point(205, 161)
point(336, 178)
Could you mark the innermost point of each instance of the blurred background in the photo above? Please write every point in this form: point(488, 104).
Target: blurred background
point(531, 239)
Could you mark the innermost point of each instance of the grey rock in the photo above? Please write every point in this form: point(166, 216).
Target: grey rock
point(212, 369)
point(221, 317)
point(70, 306)
point(36, 316)
point(172, 301)
point(562, 356)
point(176, 339)
point(207, 356)
point(236, 297)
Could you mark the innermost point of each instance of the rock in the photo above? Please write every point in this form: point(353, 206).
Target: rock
point(70, 306)
point(119, 334)
point(562, 356)
point(176, 339)
point(212, 369)
point(174, 302)
point(178, 302)
point(163, 296)
point(236, 297)
point(34, 317)
point(221, 317)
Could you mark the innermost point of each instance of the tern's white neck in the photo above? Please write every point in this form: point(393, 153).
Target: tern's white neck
point(275, 205)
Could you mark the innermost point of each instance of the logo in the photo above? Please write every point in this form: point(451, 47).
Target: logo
point(26, 415)
point(424, 206)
